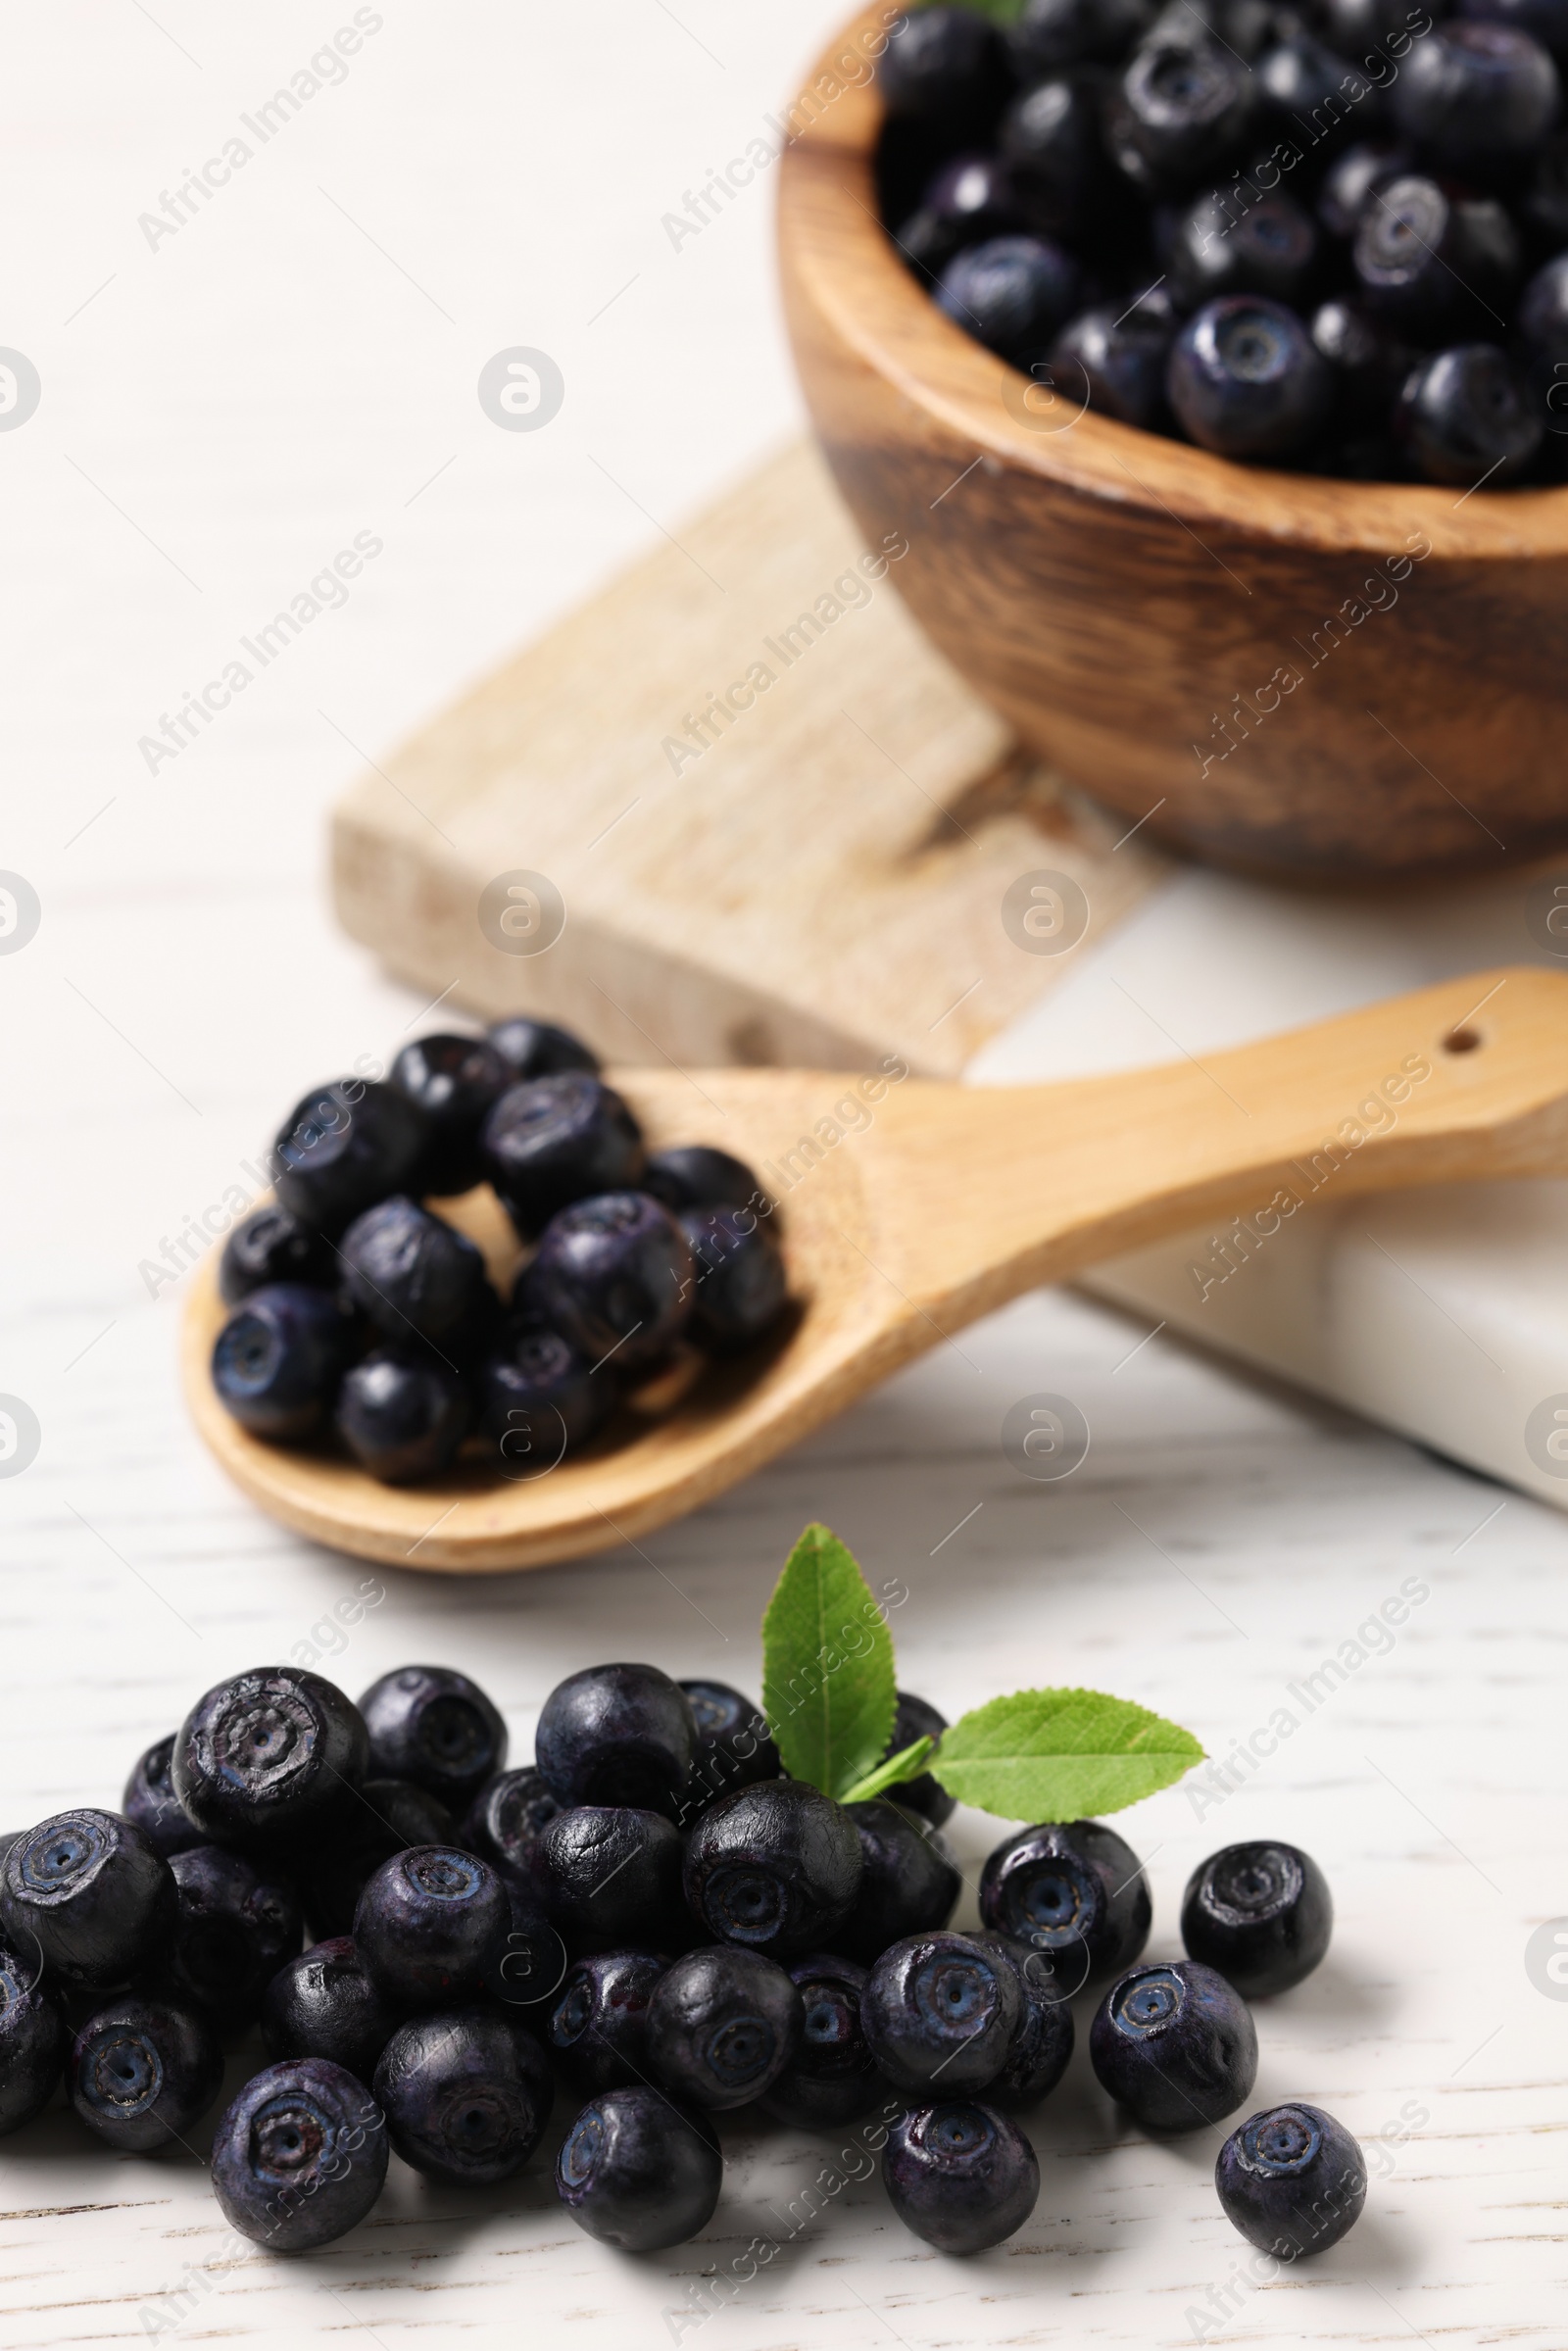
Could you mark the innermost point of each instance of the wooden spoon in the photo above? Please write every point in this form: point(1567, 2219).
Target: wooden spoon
point(907, 1209)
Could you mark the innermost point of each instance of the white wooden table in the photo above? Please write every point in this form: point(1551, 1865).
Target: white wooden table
point(221, 412)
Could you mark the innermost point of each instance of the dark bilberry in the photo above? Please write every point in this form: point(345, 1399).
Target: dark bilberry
point(722, 2024)
point(1051, 34)
point(537, 1048)
point(433, 1726)
point(1366, 364)
point(1356, 24)
point(614, 1276)
point(324, 2004)
point(32, 2041)
point(1546, 21)
point(88, 1894)
point(269, 1757)
point(1466, 418)
point(1475, 95)
point(429, 1925)
point(409, 1273)
point(1076, 1892)
point(1246, 380)
point(236, 1925)
point(1011, 293)
point(775, 1867)
point(532, 1964)
point(1293, 2180)
point(1037, 2053)
point(739, 1285)
point(1433, 261)
point(1305, 86)
point(1214, 248)
point(694, 1175)
point(734, 1748)
point(150, 1802)
point(1175, 2045)
point(1049, 141)
point(832, 2077)
point(940, 2011)
point(609, 1875)
point(943, 64)
point(1542, 205)
point(506, 1817)
point(278, 1359)
point(1118, 356)
point(403, 1416)
point(1351, 181)
point(961, 2176)
point(1544, 312)
point(300, 2157)
point(466, 2094)
point(638, 2172)
point(1179, 112)
point(344, 1148)
point(390, 1815)
point(1261, 1914)
point(971, 199)
point(554, 1140)
point(599, 2020)
point(455, 1082)
point(618, 1734)
point(910, 1881)
point(270, 1245)
point(539, 1400)
point(142, 2072)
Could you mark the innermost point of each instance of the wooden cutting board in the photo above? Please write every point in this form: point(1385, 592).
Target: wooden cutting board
point(743, 812)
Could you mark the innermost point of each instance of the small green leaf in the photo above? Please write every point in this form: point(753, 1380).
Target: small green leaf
point(906, 1764)
point(1061, 1755)
point(1000, 12)
point(827, 1667)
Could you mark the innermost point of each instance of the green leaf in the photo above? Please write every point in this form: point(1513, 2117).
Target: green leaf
point(906, 1764)
point(1061, 1755)
point(1000, 12)
point(827, 1667)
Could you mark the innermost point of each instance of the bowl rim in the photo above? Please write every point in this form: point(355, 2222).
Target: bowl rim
point(836, 252)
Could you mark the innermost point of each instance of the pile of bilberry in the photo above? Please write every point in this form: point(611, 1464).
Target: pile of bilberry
point(658, 1913)
point(360, 1314)
point(1332, 235)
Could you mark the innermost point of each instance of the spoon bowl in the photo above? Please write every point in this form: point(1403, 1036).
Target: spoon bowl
point(907, 1209)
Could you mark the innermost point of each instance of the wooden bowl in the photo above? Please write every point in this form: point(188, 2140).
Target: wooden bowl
point(1324, 679)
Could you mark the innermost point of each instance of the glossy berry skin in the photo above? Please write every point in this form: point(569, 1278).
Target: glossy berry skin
point(832, 2077)
point(1180, 111)
point(409, 1273)
point(434, 1726)
point(910, 1881)
point(539, 1400)
point(598, 2026)
point(271, 1246)
point(506, 1817)
point(618, 1734)
point(1246, 380)
point(1051, 34)
point(638, 2172)
point(1049, 141)
point(429, 1925)
point(537, 1048)
point(236, 1925)
point(402, 1417)
point(1352, 178)
point(141, 2072)
point(556, 1140)
point(390, 1815)
point(733, 1746)
point(916, 1718)
point(722, 2025)
point(1175, 2045)
point(1213, 248)
point(455, 1081)
point(1474, 95)
point(278, 1359)
point(467, 2096)
point(941, 2011)
point(300, 2157)
point(1366, 364)
point(739, 1286)
point(1012, 294)
point(614, 1276)
point(961, 2176)
point(269, 1757)
point(150, 1802)
point(1261, 1914)
point(1293, 2180)
point(1040, 2047)
point(774, 1868)
point(1432, 261)
point(693, 1175)
point(609, 1874)
point(1076, 1893)
point(324, 2004)
point(1544, 312)
point(971, 199)
point(941, 65)
point(33, 2042)
point(1118, 362)
point(344, 1148)
point(88, 1895)
point(1466, 414)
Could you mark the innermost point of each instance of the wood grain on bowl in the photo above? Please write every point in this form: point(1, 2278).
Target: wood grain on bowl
point(1314, 678)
